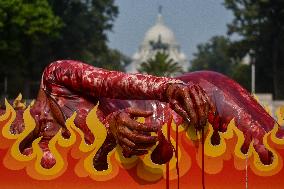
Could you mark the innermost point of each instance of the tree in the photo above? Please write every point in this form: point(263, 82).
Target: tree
point(35, 32)
point(83, 36)
point(112, 60)
point(160, 65)
point(215, 55)
point(261, 26)
point(23, 25)
point(242, 74)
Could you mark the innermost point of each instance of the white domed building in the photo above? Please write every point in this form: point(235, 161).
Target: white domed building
point(159, 38)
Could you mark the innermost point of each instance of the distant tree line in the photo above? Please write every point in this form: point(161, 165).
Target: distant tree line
point(35, 32)
point(215, 55)
point(260, 25)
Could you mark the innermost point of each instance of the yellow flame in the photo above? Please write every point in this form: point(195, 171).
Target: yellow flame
point(180, 128)
point(58, 140)
point(275, 139)
point(146, 169)
point(100, 133)
point(6, 128)
point(258, 167)
point(18, 104)
point(280, 115)
point(266, 169)
point(157, 170)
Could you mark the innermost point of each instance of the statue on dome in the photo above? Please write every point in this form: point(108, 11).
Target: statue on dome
point(158, 39)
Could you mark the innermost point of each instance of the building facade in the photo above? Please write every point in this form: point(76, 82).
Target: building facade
point(159, 38)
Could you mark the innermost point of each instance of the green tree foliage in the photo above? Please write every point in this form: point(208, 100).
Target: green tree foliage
point(112, 60)
point(85, 27)
point(242, 74)
point(23, 25)
point(261, 26)
point(215, 56)
point(35, 32)
point(84, 34)
point(160, 65)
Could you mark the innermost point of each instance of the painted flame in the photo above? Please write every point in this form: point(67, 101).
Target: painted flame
point(229, 148)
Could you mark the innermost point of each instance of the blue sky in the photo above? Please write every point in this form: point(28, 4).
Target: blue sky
point(192, 21)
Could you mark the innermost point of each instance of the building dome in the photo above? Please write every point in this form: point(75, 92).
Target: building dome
point(159, 31)
point(159, 38)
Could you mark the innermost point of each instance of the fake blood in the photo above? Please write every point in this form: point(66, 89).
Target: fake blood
point(176, 154)
point(203, 173)
point(167, 168)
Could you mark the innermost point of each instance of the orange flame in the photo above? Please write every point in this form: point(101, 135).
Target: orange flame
point(229, 148)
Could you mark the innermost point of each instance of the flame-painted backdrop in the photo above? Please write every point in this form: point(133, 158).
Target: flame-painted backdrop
point(223, 165)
